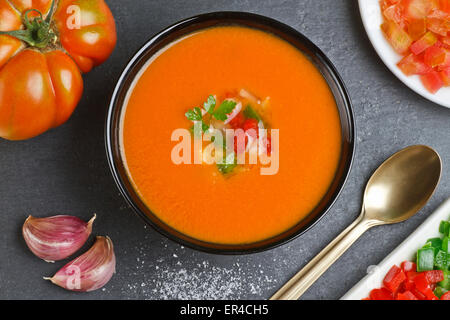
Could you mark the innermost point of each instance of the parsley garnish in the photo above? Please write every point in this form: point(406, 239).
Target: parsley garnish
point(224, 109)
point(194, 114)
point(229, 164)
point(221, 113)
point(210, 104)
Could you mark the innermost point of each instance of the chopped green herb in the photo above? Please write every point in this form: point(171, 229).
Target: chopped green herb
point(210, 104)
point(224, 109)
point(250, 113)
point(229, 165)
point(194, 114)
point(205, 127)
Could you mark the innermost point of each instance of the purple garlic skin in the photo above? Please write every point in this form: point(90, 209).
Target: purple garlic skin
point(56, 238)
point(90, 271)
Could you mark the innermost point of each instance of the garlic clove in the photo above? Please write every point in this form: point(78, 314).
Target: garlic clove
point(56, 238)
point(90, 271)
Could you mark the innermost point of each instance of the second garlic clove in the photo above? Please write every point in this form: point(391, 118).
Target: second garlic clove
point(90, 271)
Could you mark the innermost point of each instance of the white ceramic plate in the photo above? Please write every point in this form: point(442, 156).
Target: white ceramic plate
point(372, 19)
point(405, 251)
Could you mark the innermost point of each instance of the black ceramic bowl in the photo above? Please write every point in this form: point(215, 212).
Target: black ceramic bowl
point(196, 23)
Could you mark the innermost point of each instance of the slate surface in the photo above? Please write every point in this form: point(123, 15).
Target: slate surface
point(65, 171)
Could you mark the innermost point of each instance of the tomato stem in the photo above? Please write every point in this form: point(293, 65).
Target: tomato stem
point(38, 32)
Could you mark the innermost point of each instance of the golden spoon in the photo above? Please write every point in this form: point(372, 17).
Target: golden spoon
point(398, 189)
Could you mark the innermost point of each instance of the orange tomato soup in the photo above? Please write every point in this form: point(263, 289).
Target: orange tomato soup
point(197, 200)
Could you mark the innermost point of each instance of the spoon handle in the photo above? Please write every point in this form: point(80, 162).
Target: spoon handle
point(295, 287)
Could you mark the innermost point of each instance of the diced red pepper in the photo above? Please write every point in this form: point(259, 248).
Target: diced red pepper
point(394, 278)
point(426, 41)
point(446, 296)
point(434, 276)
point(408, 266)
point(432, 81)
point(398, 38)
point(418, 294)
point(412, 64)
point(381, 294)
point(407, 295)
point(423, 286)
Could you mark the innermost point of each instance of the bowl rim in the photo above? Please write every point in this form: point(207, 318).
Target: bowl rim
point(223, 18)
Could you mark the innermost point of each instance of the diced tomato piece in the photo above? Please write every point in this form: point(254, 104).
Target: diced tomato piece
point(268, 143)
point(381, 294)
point(434, 276)
point(445, 75)
point(417, 9)
point(250, 125)
point(412, 64)
point(445, 5)
point(397, 37)
point(408, 266)
point(240, 142)
point(387, 3)
point(394, 278)
point(438, 22)
point(446, 296)
point(445, 42)
point(435, 56)
point(407, 295)
point(432, 81)
point(394, 13)
point(426, 41)
point(417, 28)
point(238, 121)
point(423, 286)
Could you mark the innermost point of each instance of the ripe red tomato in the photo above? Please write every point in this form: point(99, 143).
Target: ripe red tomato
point(41, 65)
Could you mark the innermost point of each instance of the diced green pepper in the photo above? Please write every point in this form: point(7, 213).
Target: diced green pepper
point(435, 242)
point(446, 282)
point(425, 259)
point(439, 291)
point(250, 113)
point(444, 227)
point(446, 244)
point(441, 260)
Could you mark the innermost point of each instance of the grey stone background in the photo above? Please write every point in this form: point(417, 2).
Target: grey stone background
point(65, 171)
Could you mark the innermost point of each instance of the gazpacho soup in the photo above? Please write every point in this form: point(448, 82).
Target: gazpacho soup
point(230, 135)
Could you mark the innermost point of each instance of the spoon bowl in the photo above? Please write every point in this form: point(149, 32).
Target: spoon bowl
point(402, 185)
point(397, 190)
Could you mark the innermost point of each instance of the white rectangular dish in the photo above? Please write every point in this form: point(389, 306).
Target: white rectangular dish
point(405, 251)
